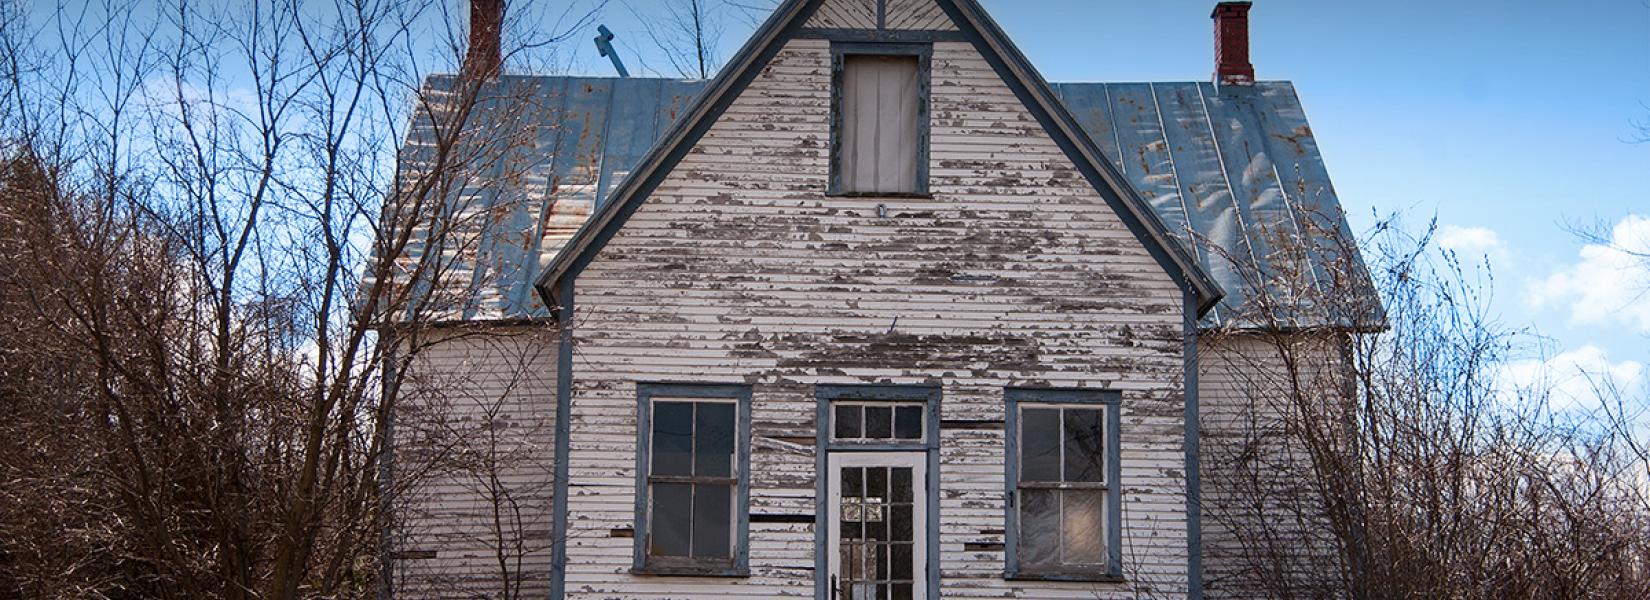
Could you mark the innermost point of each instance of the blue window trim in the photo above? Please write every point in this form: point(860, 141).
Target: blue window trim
point(924, 51)
point(645, 392)
point(823, 396)
point(1112, 400)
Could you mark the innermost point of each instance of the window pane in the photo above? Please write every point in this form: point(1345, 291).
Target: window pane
point(908, 422)
point(879, 422)
point(1085, 452)
point(1040, 444)
point(848, 417)
point(879, 131)
point(713, 440)
point(1083, 532)
point(671, 520)
point(672, 438)
point(1039, 527)
point(712, 515)
point(853, 482)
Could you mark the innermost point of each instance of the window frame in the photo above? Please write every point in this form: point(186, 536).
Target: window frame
point(924, 51)
point(1109, 401)
point(738, 565)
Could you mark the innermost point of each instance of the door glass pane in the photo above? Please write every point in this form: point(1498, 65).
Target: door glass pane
point(899, 522)
point(672, 438)
point(1040, 444)
point(713, 440)
point(902, 561)
point(881, 540)
point(1085, 454)
point(876, 484)
point(901, 488)
point(848, 421)
point(908, 423)
point(712, 517)
point(1082, 530)
point(879, 422)
point(672, 505)
point(1039, 527)
point(853, 482)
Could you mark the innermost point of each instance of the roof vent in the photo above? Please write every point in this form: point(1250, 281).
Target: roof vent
point(484, 58)
point(1232, 44)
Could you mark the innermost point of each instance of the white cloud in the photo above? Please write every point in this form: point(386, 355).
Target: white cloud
point(1467, 241)
point(1574, 378)
point(1609, 284)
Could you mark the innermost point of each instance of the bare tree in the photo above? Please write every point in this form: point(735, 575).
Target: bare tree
point(218, 263)
point(687, 32)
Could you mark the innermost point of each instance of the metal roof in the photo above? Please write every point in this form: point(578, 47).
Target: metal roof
point(1232, 171)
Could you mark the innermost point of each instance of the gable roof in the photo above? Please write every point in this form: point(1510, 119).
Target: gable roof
point(990, 41)
point(1227, 170)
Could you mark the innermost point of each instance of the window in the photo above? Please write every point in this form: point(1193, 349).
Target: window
point(881, 120)
point(874, 422)
point(693, 453)
point(1063, 469)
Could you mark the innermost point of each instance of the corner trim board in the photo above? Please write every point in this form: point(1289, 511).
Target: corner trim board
point(564, 402)
point(1194, 460)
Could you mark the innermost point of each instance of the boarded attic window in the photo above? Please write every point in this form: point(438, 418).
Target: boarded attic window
point(881, 133)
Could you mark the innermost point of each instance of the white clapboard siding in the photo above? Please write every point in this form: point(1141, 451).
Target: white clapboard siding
point(924, 15)
point(915, 15)
point(738, 269)
point(1251, 545)
point(474, 455)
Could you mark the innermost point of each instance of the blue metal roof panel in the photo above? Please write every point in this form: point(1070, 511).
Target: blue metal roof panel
point(1231, 172)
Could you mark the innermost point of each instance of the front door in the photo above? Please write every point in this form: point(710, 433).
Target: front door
point(878, 514)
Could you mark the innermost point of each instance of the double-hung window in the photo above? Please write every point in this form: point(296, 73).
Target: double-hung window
point(1063, 486)
point(693, 479)
point(880, 119)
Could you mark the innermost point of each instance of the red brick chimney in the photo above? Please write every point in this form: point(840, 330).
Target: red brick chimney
point(483, 58)
point(1232, 44)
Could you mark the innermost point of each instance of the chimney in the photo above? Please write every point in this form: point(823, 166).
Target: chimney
point(483, 59)
point(1232, 44)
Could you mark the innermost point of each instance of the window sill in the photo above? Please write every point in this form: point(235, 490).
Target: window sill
point(1066, 576)
point(893, 195)
point(687, 571)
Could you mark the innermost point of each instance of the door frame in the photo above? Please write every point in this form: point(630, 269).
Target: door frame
point(833, 532)
point(928, 447)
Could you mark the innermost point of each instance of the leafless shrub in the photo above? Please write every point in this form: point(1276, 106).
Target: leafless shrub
point(1378, 454)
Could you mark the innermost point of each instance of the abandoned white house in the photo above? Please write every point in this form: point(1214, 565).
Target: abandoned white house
point(877, 313)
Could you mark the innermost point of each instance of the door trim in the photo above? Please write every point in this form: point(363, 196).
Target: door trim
point(913, 460)
point(823, 395)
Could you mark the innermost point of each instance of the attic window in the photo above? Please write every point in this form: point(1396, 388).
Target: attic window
point(880, 124)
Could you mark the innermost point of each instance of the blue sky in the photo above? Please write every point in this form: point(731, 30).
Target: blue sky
point(1510, 121)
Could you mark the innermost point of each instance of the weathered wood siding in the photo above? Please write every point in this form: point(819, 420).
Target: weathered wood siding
point(740, 269)
point(473, 466)
point(914, 15)
point(1263, 529)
